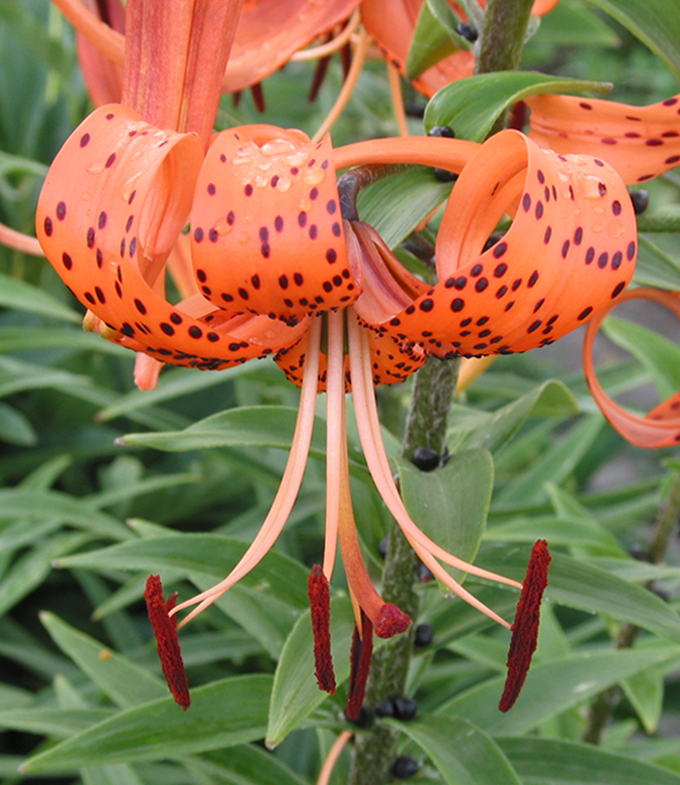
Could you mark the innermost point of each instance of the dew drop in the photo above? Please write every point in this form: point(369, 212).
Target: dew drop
point(95, 168)
point(597, 228)
point(222, 226)
point(313, 176)
point(283, 184)
point(261, 181)
point(277, 147)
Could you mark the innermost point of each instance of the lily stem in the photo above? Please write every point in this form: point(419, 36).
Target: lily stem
point(606, 702)
point(431, 399)
point(432, 395)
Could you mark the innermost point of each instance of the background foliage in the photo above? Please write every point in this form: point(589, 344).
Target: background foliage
point(87, 510)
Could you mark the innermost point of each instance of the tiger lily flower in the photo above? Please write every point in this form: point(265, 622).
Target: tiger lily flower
point(268, 33)
point(639, 142)
point(120, 191)
point(392, 23)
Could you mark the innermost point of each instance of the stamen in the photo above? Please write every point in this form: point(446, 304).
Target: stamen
point(525, 628)
point(288, 490)
point(320, 607)
point(327, 49)
point(397, 99)
point(360, 661)
point(347, 88)
point(378, 464)
point(165, 631)
point(21, 242)
point(332, 757)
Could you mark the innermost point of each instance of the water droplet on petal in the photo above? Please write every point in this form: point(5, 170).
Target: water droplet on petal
point(283, 184)
point(313, 176)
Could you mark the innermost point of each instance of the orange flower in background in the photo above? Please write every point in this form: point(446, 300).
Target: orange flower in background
point(392, 23)
point(268, 33)
point(640, 142)
point(278, 254)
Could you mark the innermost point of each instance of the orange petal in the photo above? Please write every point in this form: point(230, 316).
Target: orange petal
point(640, 142)
point(175, 55)
point(113, 203)
point(270, 31)
point(569, 252)
point(391, 23)
point(661, 427)
point(267, 201)
point(103, 78)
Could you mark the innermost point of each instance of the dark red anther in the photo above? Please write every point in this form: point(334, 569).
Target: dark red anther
point(360, 661)
point(392, 621)
point(258, 96)
point(319, 75)
point(518, 116)
point(165, 631)
point(320, 607)
point(525, 628)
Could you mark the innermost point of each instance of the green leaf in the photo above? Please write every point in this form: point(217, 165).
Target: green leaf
point(21, 296)
point(551, 689)
point(659, 355)
point(562, 530)
point(52, 722)
point(207, 555)
point(654, 267)
point(19, 339)
point(655, 22)
point(173, 383)
point(492, 430)
point(556, 463)
point(450, 504)
point(124, 682)
point(434, 37)
point(255, 426)
point(266, 602)
point(296, 694)
point(579, 584)
point(574, 24)
point(245, 765)
point(471, 106)
point(47, 505)
point(463, 754)
point(645, 692)
point(222, 714)
point(554, 762)
point(31, 569)
point(396, 205)
point(15, 428)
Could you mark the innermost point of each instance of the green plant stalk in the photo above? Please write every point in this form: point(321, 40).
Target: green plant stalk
point(606, 702)
point(503, 34)
point(505, 26)
point(431, 399)
point(433, 390)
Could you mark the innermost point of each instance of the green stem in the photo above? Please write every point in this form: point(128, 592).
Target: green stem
point(505, 25)
point(431, 399)
point(500, 50)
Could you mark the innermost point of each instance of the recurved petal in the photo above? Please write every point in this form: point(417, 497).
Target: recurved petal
point(266, 230)
point(569, 252)
point(113, 203)
point(659, 428)
point(270, 31)
point(640, 142)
